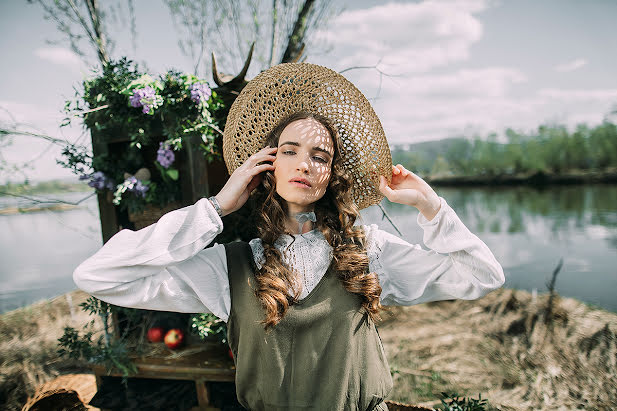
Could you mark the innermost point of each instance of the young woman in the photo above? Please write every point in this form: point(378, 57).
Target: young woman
point(301, 300)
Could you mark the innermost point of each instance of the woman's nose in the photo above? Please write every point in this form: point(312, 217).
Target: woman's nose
point(302, 166)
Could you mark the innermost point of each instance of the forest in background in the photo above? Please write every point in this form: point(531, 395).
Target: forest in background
point(551, 149)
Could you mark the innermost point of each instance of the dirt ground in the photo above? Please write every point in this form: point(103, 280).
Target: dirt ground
point(500, 346)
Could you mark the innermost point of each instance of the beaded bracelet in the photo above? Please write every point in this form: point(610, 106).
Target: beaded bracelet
point(216, 205)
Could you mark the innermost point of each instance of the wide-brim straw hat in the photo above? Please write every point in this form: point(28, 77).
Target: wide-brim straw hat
point(287, 88)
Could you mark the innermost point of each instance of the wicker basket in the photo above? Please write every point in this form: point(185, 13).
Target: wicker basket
point(151, 214)
point(66, 392)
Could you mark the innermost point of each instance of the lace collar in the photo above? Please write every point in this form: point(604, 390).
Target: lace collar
point(310, 236)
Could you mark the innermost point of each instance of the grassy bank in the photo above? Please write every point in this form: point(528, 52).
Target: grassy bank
point(608, 175)
point(28, 346)
point(499, 346)
point(44, 187)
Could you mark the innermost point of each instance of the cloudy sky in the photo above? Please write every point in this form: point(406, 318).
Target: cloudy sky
point(450, 68)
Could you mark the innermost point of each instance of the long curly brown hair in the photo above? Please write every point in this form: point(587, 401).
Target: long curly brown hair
point(336, 214)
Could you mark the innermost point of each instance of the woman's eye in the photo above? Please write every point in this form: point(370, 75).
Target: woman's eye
point(320, 159)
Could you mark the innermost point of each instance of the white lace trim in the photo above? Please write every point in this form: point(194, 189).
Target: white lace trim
point(310, 255)
point(374, 248)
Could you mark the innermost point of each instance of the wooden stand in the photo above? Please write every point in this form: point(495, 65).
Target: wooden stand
point(198, 178)
point(202, 363)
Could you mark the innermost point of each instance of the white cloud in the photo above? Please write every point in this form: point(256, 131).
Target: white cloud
point(424, 98)
point(407, 37)
point(477, 102)
point(412, 119)
point(579, 95)
point(571, 65)
point(60, 56)
point(465, 83)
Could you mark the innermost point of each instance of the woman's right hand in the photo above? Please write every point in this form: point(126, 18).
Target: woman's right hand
point(245, 179)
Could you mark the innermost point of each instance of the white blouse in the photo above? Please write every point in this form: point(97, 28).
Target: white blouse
point(166, 266)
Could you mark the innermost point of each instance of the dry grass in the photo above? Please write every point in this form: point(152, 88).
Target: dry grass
point(498, 346)
point(28, 346)
point(501, 347)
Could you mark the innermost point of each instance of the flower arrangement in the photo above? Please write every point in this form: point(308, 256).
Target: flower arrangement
point(144, 122)
point(156, 116)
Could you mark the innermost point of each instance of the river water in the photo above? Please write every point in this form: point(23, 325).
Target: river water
point(528, 230)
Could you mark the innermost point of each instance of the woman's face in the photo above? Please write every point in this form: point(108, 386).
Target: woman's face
point(305, 151)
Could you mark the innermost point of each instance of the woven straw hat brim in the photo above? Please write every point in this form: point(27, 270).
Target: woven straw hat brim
point(291, 87)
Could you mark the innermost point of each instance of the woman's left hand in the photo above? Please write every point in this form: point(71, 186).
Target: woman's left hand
point(407, 188)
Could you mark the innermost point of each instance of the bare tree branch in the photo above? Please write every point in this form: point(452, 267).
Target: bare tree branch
point(381, 74)
point(46, 200)
point(99, 40)
point(275, 34)
point(54, 140)
point(85, 20)
point(295, 43)
point(229, 27)
point(385, 214)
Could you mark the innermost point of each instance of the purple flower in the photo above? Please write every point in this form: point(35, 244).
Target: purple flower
point(134, 185)
point(146, 98)
point(140, 189)
point(98, 180)
point(200, 92)
point(164, 155)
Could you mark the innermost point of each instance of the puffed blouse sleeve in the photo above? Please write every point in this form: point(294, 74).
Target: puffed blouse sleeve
point(458, 265)
point(164, 266)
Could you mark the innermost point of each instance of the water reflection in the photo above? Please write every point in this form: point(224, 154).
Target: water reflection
point(528, 231)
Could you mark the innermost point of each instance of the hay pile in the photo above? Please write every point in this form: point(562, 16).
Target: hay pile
point(499, 346)
point(503, 347)
point(28, 345)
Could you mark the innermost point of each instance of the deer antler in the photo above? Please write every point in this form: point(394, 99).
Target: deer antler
point(221, 80)
point(215, 72)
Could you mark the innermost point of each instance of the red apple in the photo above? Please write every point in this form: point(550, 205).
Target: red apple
point(174, 338)
point(155, 334)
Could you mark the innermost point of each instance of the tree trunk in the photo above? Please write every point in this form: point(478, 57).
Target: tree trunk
point(295, 44)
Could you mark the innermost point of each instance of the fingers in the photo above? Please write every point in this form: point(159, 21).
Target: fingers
point(254, 183)
point(261, 168)
point(402, 171)
point(265, 154)
point(385, 189)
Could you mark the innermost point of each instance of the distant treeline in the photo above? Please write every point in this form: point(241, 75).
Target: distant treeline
point(44, 187)
point(551, 149)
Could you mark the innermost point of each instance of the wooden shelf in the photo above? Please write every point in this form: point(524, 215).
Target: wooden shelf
point(200, 363)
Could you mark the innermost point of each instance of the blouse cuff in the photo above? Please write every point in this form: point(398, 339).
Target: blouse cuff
point(424, 222)
point(214, 216)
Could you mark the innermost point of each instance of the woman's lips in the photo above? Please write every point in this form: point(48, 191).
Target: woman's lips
point(297, 184)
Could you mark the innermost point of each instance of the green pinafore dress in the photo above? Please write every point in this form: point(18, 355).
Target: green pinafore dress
point(325, 354)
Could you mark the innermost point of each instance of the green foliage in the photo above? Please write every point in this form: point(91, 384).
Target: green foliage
point(551, 149)
point(209, 326)
point(171, 116)
point(113, 353)
point(453, 402)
